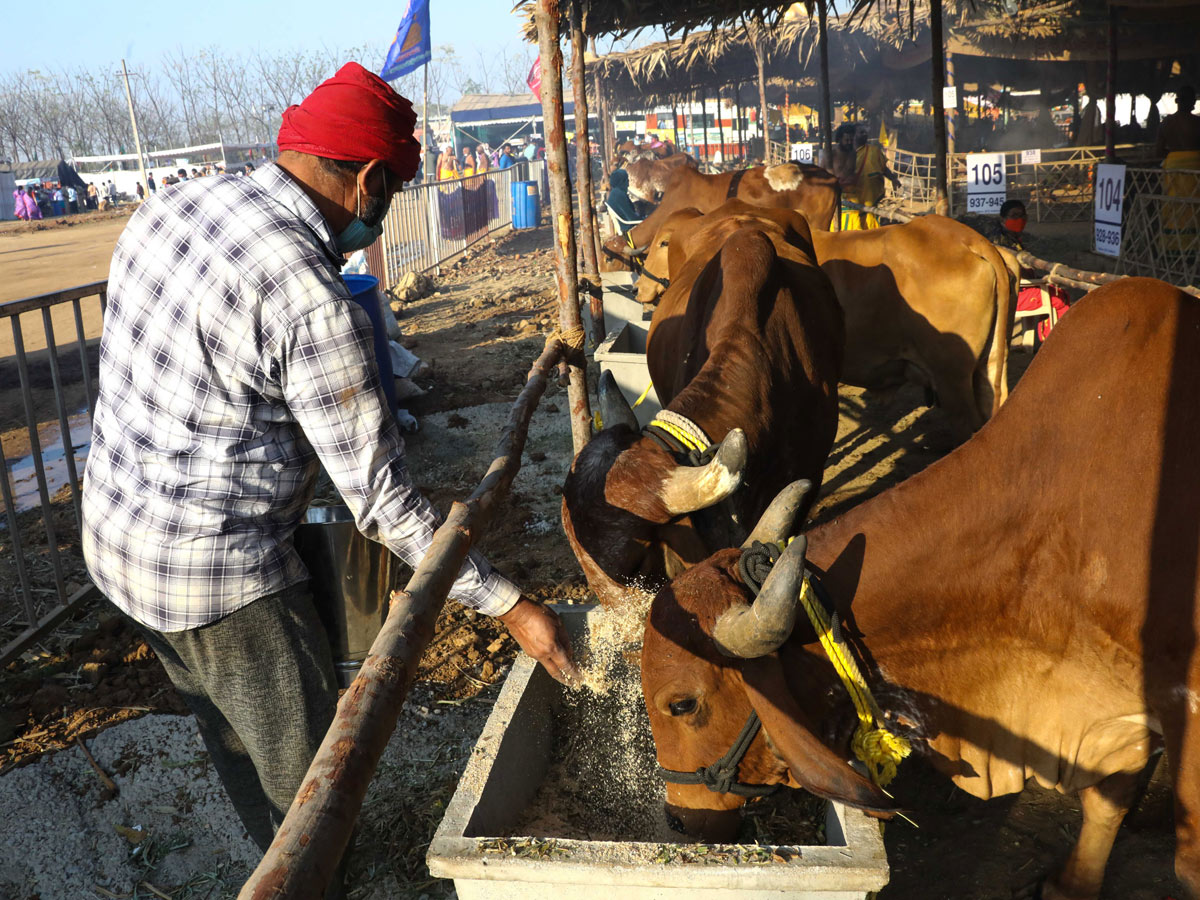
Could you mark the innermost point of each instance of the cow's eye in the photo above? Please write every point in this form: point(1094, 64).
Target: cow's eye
point(683, 707)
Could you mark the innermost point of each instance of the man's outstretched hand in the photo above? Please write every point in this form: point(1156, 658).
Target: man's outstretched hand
point(540, 633)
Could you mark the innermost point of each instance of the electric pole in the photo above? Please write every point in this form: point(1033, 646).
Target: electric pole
point(137, 141)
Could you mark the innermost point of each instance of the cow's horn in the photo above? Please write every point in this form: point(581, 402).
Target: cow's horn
point(614, 408)
point(776, 523)
point(761, 628)
point(689, 488)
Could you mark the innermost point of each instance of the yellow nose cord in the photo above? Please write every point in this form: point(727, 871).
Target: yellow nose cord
point(878, 749)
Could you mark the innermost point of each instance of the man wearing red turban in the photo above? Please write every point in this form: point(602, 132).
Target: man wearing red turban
point(233, 367)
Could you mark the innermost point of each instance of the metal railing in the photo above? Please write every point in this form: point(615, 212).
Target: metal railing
point(1058, 188)
point(434, 221)
point(1161, 233)
point(42, 594)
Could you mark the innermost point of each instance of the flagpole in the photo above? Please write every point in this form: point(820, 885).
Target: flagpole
point(425, 122)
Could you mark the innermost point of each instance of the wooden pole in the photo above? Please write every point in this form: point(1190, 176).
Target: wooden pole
point(787, 122)
point(603, 138)
point(951, 115)
point(741, 130)
point(826, 99)
point(704, 122)
point(545, 16)
point(938, 57)
point(1110, 89)
point(588, 229)
point(720, 126)
point(675, 121)
point(760, 64)
point(310, 842)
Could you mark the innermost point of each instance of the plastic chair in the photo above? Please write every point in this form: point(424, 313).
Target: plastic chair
point(1028, 337)
point(616, 221)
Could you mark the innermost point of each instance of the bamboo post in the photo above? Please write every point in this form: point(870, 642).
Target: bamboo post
point(583, 175)
point(741, 131)
point(675, 121)
point(787, 122)
point(826, 100)
point(941, 204)
point(604, 138)
point(704, 122)
point(951, 115)
point(1110, 89)
point(310, 842)
point(720, 126)
point(760, 64)
point(545, 16)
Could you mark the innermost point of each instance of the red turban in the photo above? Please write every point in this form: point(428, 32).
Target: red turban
point(356, 116)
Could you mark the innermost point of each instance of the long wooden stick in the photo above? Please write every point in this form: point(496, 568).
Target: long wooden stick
point(309, 844)
point(545, 16)
point(583, 174)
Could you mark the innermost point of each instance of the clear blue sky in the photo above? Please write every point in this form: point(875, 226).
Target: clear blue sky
point(142, 32)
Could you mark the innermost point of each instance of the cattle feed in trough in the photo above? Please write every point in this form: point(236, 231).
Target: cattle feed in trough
point(746, 345)
point(1043, 625)
point(816, 194)
point(930, 301)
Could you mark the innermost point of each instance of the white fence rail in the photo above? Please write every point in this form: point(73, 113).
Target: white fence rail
point(434, 221)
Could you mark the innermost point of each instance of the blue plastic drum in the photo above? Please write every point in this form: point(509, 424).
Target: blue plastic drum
point(526, 207)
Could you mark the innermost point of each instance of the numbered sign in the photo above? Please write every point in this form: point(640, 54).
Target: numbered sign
point(1110, 195)
point(986, 187)
point(950, 97)
point(1031, 157)
point(802, 153)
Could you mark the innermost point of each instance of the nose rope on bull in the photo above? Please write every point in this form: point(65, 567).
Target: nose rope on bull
point(721, 776)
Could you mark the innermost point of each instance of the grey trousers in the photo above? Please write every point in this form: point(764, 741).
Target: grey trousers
point(261, 684)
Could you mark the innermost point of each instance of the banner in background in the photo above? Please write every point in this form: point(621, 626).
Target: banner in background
point(410, 48)
point(535, 79)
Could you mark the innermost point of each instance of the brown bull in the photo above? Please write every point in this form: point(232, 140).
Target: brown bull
point(753, 361)
point(799, 186)
point(932, 301)
point(1024, 608)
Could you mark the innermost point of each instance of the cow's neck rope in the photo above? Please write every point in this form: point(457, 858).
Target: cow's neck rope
point(876, 747)
point(636, 261)
point(677, 434)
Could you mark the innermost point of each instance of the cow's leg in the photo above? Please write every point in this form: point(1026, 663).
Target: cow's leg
point(1181, 729)
point(956, 394)
point(1104, 806)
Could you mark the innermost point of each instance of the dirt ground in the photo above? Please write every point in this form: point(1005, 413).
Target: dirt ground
point(482, 328)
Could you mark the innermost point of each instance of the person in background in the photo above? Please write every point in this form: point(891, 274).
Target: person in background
point(72, 200)
point(192, 495)
point(141, 192)
point(626, 212)
point(506, 160)
point(19, 208)
point(468, 162)
point(181, 174)
point(865, 184)
point(1008, 229)
point(482, 164)
point(249, 168)
point(447, 164)
point(112, 193)
point(150, 182)
point(57, 199)
point(530, 151)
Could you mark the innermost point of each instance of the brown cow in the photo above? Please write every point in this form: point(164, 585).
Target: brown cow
point(931, 301)
point(799, 186)
point(1024, 608)
point(753, 361)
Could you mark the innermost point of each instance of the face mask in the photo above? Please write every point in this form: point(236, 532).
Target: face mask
point(1015, 225)
point(358, 234)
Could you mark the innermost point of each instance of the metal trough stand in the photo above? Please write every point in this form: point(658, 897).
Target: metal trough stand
point(504, 772)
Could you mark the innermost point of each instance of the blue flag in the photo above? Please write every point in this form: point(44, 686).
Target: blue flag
point(410, 48)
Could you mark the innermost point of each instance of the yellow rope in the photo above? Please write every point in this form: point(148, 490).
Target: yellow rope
point(879, 749)
point(679, 434)
point(645, 394)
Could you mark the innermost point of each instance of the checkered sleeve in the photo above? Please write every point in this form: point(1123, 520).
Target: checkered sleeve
point(331, 384)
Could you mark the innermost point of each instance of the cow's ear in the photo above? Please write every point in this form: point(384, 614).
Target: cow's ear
point(817, 768)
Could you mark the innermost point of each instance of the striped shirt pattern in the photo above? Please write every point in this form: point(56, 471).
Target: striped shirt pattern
point(232, 361)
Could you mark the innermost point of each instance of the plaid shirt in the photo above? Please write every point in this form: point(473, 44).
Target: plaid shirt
point(232, 361)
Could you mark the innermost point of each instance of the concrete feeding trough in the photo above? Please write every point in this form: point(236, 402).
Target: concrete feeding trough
point(619, 298)
point(624, 354)
point(474, 845)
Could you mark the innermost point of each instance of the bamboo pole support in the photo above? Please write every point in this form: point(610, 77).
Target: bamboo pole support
point(545, 16)
point(937, 64)
point(588, 227)
point(310, 842)
point(826, 98)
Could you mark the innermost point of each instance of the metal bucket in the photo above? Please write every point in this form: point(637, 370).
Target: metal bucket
point(352, 578)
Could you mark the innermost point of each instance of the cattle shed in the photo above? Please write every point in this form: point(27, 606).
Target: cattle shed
point(496, 118)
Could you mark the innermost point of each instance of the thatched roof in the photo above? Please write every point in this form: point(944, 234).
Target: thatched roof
point(622, 17)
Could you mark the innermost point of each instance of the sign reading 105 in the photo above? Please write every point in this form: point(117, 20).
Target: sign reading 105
point(989, 174)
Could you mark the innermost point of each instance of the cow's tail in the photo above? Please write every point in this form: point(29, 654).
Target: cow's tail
point(991, 376)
